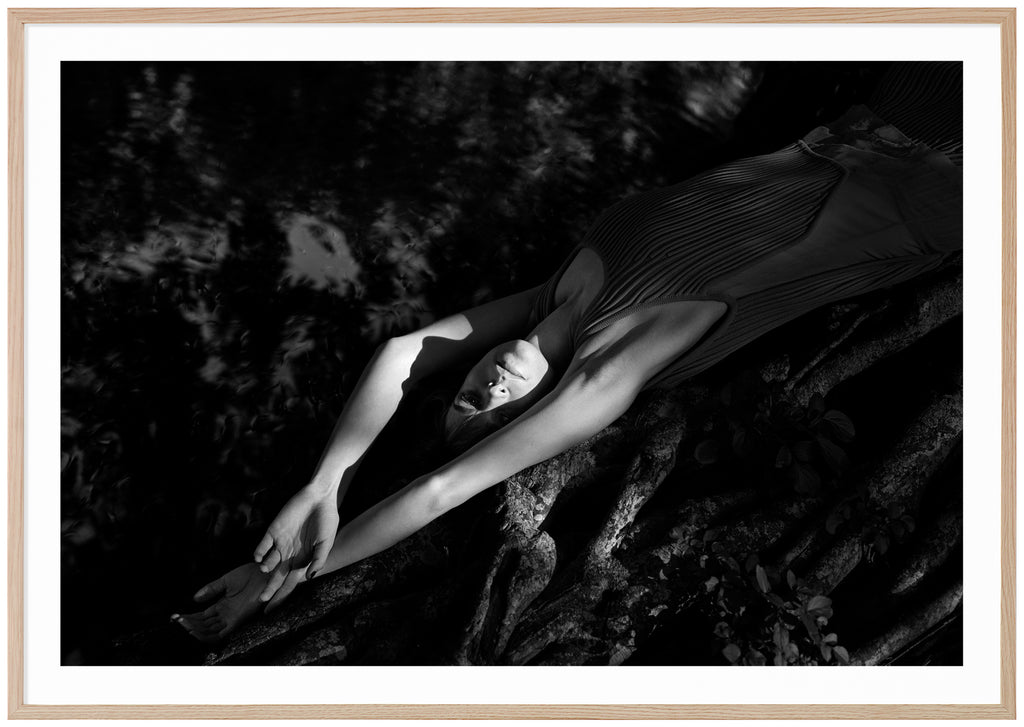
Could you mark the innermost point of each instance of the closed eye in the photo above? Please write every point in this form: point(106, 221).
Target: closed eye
point(467, 400)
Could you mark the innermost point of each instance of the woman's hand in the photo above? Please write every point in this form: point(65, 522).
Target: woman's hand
point(237, 599)
point(296, 545)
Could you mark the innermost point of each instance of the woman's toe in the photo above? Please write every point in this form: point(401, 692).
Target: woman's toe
point(197, 625)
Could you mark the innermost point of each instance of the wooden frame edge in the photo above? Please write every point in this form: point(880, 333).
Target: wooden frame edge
point(1008, 526)
point(516, 711)
point(17, 19)
point(992, 15)
point(15, 361)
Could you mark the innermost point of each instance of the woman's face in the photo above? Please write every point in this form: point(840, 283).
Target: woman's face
point(501, 384)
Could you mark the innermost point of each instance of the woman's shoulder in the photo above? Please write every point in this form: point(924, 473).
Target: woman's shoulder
point(577, 281)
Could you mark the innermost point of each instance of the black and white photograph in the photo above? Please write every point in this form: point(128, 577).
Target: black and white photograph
point(511, 363)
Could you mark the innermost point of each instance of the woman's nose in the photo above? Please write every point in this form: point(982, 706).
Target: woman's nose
point(498, 389)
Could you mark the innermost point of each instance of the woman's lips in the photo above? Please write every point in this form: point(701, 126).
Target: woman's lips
point(505, 366)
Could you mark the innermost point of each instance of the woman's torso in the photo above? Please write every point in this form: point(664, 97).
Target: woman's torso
point(849, 209)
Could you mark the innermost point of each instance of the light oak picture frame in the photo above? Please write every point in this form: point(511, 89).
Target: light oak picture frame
point(19, 19)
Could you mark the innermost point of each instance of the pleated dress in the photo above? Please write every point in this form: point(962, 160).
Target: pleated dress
point(851, 208)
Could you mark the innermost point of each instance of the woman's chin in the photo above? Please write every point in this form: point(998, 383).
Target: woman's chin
point(529, 360)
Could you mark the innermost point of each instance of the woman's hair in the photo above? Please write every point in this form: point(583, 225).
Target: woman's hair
point(467, 431)
point(455, 435)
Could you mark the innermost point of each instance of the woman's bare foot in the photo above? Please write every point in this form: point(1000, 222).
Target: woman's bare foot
point(237, 595)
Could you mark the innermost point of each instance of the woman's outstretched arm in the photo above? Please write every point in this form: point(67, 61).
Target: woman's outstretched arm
point(598, 387)
point(585, 401)
point(302, 533)
point(583, 404)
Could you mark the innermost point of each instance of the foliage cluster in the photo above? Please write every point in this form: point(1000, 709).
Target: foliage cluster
point(757, 437)
point(764, 616)
point(764, 438)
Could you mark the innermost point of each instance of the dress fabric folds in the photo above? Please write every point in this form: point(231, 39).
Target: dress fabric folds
point(853, 207)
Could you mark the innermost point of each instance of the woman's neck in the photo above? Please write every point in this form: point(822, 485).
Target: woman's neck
point(577, 288)
point(553, 336)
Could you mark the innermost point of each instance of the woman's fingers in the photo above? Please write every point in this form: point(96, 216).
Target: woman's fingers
point(271, 561)
point(320, 553)
point(277, 578)
point(213, 589)
point(263, 548)
point(293, 579)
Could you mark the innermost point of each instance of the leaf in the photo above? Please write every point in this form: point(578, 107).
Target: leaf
point(818, 603)
point(830, 639)
point(707, 452)
point(756, 658)
point(841, 425)
point(732, 653)
point(826, 652)
point(780, 635)
point(812, 628)
point(833, 455)
point(832, 522)
point(741, 442)
point(791, 579)
point(803, 450)
point(722, 630)
point(784, 457)
point(881, 543)
point(807, 480)
point(842, 654)
point(711, 584)
point(762, 579)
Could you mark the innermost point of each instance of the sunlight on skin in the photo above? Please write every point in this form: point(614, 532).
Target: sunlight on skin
point(505, 381)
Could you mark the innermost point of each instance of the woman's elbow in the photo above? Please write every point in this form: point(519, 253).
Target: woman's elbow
point(400, 351)
point(395, 345)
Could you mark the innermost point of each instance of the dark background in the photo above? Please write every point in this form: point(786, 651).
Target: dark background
point(236, 239)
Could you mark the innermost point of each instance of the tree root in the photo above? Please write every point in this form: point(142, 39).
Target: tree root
point(910, 628)
point(524, 597)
